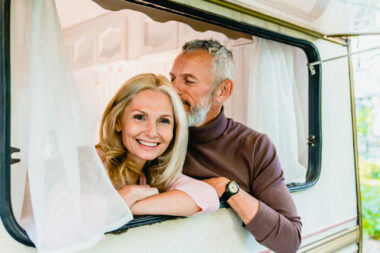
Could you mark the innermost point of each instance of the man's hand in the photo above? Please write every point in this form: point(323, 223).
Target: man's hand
point(219, 184)
point(133, 193)
point(245, 205)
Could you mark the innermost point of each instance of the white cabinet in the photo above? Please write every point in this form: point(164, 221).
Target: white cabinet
point(116, 36)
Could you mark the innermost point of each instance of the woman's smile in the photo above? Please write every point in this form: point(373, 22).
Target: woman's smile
point(147, 143)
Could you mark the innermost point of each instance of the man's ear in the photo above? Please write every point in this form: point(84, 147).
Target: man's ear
point(224, 90)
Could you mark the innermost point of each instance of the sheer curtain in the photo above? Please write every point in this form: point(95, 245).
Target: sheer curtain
point(277, 104)
point(70, 202)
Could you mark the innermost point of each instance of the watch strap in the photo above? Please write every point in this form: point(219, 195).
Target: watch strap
point(225, 196)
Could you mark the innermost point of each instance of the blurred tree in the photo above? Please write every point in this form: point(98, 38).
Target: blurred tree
point(365, 121)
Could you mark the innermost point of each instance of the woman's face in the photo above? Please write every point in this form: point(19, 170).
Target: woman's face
point(147, 125)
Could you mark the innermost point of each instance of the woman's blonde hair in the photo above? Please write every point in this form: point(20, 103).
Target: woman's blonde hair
point(160, 172)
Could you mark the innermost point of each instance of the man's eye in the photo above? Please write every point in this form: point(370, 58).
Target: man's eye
point(165, 121)
point(189, 81)
point(139, 117)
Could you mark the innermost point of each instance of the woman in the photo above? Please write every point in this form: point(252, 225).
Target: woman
point(143, 141)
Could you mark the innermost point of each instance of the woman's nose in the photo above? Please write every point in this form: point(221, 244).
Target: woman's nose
point(151, 130)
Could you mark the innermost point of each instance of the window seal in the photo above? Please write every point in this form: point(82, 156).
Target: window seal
point(315, 132)
point(142, 220)
point(6, 212)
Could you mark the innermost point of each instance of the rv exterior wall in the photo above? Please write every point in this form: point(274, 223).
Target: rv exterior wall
point(327, 208)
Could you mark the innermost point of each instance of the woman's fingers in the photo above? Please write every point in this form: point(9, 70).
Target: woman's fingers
point(133, 193)
point(147, 192)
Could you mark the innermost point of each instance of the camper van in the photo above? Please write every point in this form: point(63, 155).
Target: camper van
point(291, 83)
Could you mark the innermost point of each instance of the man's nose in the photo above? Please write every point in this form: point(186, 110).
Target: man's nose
point(178, 85)
point(151, 129)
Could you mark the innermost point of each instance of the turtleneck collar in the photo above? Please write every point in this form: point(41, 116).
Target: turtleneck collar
point(210, 131)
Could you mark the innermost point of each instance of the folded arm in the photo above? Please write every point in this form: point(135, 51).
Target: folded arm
point(186, 197)
point(174, 202)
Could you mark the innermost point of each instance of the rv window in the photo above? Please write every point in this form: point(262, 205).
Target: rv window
point(271, 94)
point(274, 92)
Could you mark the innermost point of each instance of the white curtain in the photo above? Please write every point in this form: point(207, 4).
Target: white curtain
point(277, 104)
point(70, 202)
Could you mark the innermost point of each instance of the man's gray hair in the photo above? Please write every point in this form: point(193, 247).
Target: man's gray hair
point(223, 67)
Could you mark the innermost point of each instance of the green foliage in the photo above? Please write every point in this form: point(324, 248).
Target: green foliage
point(370, 190)
point(371, 209)
point(368, 169)
point(364, 118)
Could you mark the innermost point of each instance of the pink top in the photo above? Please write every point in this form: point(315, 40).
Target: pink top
point(203, 194)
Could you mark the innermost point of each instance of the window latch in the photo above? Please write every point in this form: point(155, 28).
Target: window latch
point(15, 150)
point(311, 140)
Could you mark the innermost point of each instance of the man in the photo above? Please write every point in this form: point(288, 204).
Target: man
point(225, 151)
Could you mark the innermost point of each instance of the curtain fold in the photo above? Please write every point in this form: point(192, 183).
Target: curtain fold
point(277, 104)
point(70, 202)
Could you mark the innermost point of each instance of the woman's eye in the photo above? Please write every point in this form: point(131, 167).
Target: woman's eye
point(139, 117)
point(165, 121)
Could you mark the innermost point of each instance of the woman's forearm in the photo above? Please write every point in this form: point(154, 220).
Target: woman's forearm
point(174, 202)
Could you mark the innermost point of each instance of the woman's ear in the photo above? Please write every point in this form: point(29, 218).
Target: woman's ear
point(118, 126)
point(224, 90)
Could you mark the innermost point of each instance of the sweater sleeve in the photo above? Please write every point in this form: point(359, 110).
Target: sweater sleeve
point(203, 194)
point(276, 224)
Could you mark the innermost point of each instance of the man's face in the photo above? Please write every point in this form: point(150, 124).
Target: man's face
point(191, 76)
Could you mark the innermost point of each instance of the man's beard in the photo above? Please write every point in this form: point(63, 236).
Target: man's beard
point(197, 113)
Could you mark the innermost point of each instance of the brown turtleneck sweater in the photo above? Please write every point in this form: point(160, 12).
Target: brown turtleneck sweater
point(229, 149)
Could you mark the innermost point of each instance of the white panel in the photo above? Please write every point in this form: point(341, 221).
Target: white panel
point(332, 199)
point(111, 37)
point(83, 51)
point(216, 232)
point(324, 16)
point(159, 37)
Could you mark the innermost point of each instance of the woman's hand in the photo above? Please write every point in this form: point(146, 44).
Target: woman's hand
point(133, 193)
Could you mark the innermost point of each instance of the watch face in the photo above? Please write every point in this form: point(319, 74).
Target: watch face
point(233, 187)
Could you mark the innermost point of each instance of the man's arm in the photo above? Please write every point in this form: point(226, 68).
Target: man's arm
point(268, 226)
point(268, 210)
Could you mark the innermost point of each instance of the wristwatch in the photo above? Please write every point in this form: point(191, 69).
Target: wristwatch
point(231, 189)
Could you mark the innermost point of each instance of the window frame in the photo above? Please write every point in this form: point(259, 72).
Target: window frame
point(314, 104)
